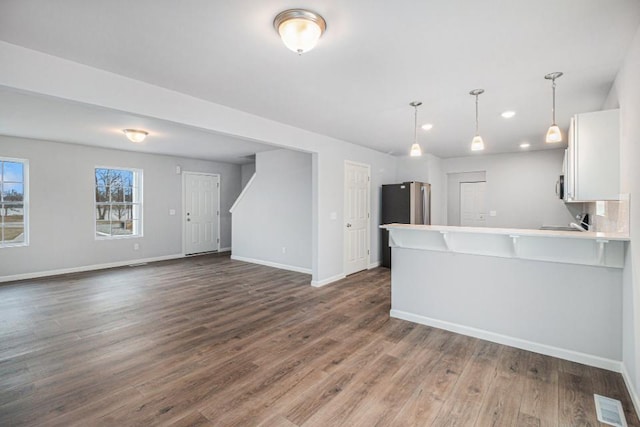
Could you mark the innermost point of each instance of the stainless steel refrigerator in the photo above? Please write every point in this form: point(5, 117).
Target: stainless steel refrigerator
point(406, 203)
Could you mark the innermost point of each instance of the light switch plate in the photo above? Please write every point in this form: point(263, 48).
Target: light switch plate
point(172, 211)
point(333, 215)
point(493, 213)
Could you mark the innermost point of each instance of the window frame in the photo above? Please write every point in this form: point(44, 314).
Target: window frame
point(137, 179)
point(25, 202)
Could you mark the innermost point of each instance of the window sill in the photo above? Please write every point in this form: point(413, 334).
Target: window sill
point(13, 245)
point(135, 236)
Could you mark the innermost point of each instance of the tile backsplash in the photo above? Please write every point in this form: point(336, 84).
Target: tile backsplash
point(609, 216)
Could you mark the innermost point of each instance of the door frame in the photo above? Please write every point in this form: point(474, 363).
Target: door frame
point(184, 207)
point(344, 205)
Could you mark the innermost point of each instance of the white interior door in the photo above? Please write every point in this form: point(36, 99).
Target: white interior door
point(201, 212)
point(473, 205)
point(356, 217)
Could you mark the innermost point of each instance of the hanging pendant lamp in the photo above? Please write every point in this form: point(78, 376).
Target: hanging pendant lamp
point(553, 134)
point(416, 150)
point(477, 144)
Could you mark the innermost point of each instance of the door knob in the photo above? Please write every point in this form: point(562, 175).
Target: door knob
point(348, 225)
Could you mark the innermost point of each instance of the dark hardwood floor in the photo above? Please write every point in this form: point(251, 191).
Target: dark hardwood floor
point(210, 341)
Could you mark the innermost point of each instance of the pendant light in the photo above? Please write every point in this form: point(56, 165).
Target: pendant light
point(477, 144)
point(553, 134)
point(299, 29)
point(416, 150)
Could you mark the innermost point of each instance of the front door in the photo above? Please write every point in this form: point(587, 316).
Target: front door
point(473, 210)
point(356, 217)
point(201, 212)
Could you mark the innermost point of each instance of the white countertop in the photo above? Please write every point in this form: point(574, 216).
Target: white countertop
point(589, 235)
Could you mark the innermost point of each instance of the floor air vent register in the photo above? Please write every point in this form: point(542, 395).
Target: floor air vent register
point(609, 411)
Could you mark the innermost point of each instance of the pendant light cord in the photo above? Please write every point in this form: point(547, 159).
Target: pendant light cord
point(415, 125)
point(553, 108)
point(476, 115)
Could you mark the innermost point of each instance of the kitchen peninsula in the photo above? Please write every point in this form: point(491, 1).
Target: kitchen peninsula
point(553, 292)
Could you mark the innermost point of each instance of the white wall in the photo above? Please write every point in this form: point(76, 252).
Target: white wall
point(520, 187)
point(527, 304)
point(32, 71)
point(275, 212)
point(246, 172)
point(626, 95)
point(61, 186)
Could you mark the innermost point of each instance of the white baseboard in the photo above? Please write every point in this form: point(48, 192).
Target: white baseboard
point(324, 282)
point(561, 353)
point(630, 387)
point(83, 268)
point(374, 264)
point(225, 249)
point(272, 264)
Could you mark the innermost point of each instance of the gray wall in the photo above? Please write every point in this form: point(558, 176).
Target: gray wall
point(520, 187)
point(246, 172)
point(61, 197)
point(626, 95)
point(275, 211)
point(75, 82)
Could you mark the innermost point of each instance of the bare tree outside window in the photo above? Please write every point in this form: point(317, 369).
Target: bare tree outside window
point(118, 202)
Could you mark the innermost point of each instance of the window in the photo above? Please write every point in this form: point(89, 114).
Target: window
point(13, 202)
point(118, 202)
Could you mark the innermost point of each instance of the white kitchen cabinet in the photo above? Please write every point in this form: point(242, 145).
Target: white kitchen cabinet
point(593, 157)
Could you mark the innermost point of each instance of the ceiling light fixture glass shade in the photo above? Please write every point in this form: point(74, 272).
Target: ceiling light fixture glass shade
point(299, 29)
point(477, 144)
point(416, 150)
point(553, 134)
point(135, 135)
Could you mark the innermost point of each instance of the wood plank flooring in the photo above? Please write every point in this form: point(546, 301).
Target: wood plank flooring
point(208, 341)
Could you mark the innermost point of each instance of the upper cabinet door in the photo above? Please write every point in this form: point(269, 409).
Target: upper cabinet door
point(594, 156)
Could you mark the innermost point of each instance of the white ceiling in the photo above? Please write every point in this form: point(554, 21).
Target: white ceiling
point(31, 116)
point(375, 57)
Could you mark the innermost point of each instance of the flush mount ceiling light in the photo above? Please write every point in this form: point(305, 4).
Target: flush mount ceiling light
point(525, 145)
point(508, 114)
point(427, 126)
point(416, 150)
point(477, 144)
point(553, 134)
point(299, 29)
point(135, 135)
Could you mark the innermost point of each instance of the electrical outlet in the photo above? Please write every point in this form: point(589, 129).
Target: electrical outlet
point(136, 246)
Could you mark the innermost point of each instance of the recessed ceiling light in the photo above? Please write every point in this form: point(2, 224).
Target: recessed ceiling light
point(508, 114)
point(427, 126)
point(525, 145)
